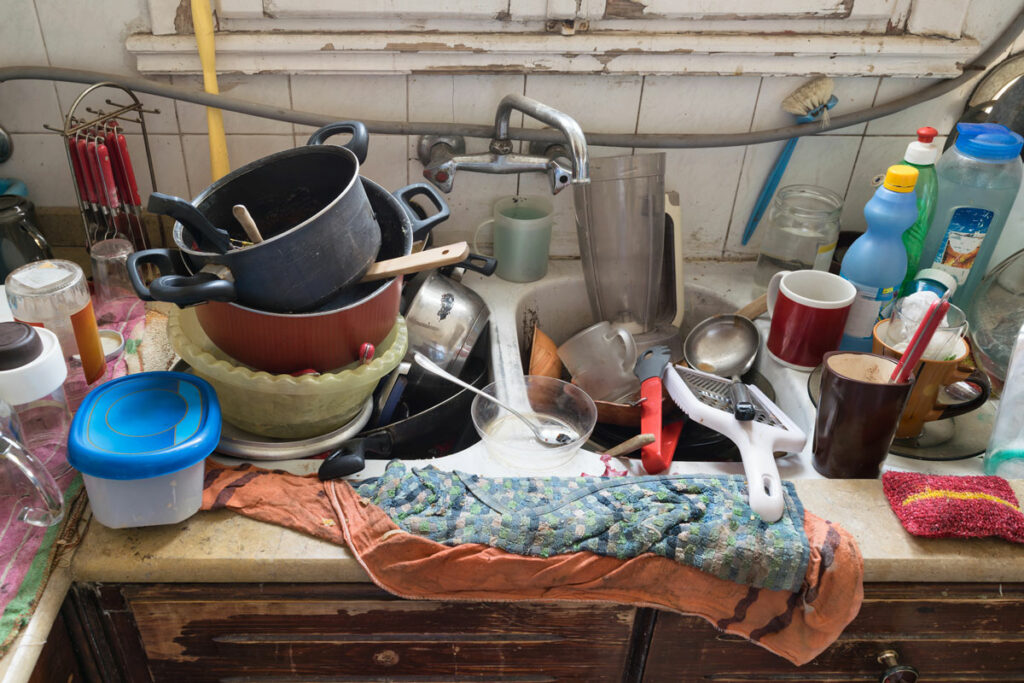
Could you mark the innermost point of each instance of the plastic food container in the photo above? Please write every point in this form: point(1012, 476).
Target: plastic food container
point(140, 443)
point(552, 402)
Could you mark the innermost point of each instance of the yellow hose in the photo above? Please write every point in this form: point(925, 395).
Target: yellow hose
point(202, 21)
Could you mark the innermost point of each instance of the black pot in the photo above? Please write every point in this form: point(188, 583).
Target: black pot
point(319, 230)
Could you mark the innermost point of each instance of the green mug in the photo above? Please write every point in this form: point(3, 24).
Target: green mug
point(521, 236)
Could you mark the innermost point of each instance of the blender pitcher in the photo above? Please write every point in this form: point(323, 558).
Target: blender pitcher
point(620, 223)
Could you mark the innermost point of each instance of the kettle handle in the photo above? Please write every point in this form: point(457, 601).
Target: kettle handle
point(42, 481)
point(358, 145)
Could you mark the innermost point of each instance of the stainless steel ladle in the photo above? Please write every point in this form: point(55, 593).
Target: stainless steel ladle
point(725, 345)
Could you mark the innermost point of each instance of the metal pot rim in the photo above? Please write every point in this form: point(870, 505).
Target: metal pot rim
point(330, 150)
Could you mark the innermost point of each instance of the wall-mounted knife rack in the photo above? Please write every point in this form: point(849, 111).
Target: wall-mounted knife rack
point(102, 171)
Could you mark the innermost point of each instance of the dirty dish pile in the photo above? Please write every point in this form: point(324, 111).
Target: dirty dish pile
point(553, 404)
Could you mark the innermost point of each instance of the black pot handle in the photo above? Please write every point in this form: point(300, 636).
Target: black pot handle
point(351, 457)
point(485, 265)
point(421, 227)
point(198, 225)
point(166, 261)
point(358, 145)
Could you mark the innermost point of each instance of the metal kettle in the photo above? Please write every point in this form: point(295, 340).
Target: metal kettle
point(21, 241)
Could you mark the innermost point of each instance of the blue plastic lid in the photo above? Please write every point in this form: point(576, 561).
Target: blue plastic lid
point(144, 425)
point(989, 141)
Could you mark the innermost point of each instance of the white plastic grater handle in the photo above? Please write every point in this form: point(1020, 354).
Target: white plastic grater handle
point(756, 441)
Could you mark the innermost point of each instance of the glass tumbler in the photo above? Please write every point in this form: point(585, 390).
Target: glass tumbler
point(802, 230)
point(110, 275)
point(945, 343)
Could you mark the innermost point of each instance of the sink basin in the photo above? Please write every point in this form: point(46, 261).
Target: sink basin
point(559, 304)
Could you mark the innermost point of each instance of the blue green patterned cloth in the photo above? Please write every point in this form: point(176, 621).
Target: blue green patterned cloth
point(701, 521)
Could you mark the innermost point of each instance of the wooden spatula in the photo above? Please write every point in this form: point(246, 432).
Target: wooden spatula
point(414, 263)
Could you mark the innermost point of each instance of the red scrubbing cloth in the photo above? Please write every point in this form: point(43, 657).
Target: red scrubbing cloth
point(943, 507)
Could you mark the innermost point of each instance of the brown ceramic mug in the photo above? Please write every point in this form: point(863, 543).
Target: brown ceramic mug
point(933, 376)
point(858, 411)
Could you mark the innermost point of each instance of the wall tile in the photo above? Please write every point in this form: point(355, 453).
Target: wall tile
point(22, 39)
point(164, 122)
point(41, 162)
point(26, 105)
point(89, 36)
point(271, 89)
point(241, 150)
point(600, 104)
point(853, 94)
point(168, 165)
point(940, 113)
point(817, 160)
point(697, 104)
point(380, 98)
point(388, 161)
point(706, 180)
point(877, 153)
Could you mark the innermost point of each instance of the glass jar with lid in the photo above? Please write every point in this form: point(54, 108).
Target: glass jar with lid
point(801, 234)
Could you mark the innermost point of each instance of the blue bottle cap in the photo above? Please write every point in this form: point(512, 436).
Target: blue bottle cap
point(144, 425)
point(988, 141)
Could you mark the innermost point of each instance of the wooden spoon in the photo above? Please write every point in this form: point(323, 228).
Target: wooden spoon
point(414, 263)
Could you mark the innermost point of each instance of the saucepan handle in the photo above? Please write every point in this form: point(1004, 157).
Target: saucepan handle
point(422, 226)
point(189, 290)
point(164, 260)
point(351, 457)
point(358, 145)
point(485, 265)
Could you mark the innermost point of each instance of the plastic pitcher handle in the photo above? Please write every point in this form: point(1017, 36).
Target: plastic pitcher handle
point(42, 481)
point(675, 213)
point(628, 347)
point(476, 235)
point(773, 290)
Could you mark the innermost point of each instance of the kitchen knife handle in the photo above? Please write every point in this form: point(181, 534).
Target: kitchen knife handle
point(129, 173)
point(76, 167)
point(83, 159)
point(107, 176)
point(650, 423)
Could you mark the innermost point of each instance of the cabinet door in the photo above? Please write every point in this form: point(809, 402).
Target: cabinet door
point(357, 632)
point(948, 632)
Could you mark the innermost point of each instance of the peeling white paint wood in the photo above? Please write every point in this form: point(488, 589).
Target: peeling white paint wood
point(161, 16)
point(240, 9)
point(938, 17)
point(613, 52)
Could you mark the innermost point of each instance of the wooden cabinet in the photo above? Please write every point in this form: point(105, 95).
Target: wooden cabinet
point(356, 632)
point(948, 632)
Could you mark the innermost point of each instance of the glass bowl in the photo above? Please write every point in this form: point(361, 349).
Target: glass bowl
point(550, 401)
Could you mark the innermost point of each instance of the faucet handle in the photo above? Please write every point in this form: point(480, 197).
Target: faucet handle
point(559, 175)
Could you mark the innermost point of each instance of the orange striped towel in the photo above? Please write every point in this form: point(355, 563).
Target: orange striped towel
point(797, 626)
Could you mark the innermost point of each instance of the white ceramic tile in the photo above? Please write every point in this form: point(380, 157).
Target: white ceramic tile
point(600, 104)
point(877, 153)
point(242, 149)
point(821, 160)
point(706, 180)
point(388, 161)
point(853, 94)
point(461, 98)
point(940, 113)
point(470, 201)
point(21, 41)
point(40, 161)
point(271, 89)
point(381, 98)
point(166, 121)
point(26, 105)
point(697, 104)
point(168, 165)
point(91, 36)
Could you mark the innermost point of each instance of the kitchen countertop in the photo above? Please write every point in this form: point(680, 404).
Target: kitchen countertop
point(223, 546)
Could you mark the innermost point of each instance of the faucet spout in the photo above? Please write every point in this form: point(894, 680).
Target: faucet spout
point(551, 116)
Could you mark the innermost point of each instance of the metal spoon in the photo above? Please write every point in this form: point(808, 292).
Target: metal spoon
point(548, 435)
point(725, 345)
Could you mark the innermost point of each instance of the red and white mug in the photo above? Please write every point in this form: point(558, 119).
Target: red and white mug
point(809, 310)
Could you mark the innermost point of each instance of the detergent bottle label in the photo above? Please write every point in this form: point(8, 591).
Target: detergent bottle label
point(869, 306)
point(964, 234)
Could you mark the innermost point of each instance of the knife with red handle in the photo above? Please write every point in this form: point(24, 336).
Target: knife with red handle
point(649, 366)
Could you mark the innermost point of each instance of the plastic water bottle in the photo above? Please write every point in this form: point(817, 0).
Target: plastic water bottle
point(978, 181)
point(877, 260)
point(1005, 454)
point(922, 155)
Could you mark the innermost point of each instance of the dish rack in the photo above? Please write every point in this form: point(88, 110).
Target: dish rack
point(102, 170)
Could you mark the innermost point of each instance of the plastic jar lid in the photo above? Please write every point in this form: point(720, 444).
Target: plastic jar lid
point(38, 377)
point(988, 141)
point(940, 276)
point(144, 425)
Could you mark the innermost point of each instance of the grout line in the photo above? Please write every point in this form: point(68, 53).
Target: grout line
point(743, 169)
point(853, 169)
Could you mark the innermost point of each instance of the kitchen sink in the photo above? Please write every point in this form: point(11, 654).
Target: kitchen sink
point(558, 304)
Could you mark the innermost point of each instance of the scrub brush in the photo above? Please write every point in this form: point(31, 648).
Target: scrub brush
point(809, 102)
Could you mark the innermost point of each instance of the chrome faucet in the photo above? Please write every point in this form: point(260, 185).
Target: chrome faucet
point(442, 156)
